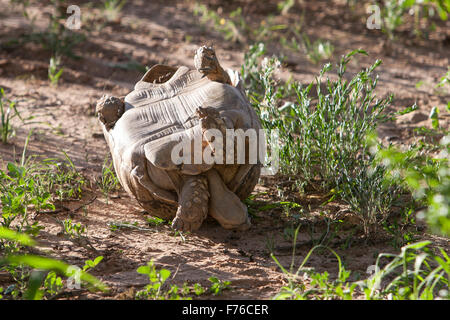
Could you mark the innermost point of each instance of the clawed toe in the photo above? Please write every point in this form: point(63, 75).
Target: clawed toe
point(189, 218)
point(183, 225)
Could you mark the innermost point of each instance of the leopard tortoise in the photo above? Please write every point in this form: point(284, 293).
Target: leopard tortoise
point(170, 105)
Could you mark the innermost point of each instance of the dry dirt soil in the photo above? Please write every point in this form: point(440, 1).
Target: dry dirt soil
point(151, 32)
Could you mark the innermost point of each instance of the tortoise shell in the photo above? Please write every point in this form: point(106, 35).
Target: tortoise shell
point(164, 109)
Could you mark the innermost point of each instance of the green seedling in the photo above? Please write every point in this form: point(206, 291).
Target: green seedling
point(54, 71)
point(218, 286)
point(112, 9)
point(108, 181)
point(159, 289)
point(73, 230)
point(8, 111)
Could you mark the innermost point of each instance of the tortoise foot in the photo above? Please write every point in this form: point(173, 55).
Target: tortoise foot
point(193, 204)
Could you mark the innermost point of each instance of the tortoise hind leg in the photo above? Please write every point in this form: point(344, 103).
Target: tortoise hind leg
point(159, 205)
point(193, 202)
point(225, 206)
point(248, 183)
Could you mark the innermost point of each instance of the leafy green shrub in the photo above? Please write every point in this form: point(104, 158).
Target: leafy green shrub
point(18, 196)
point(320, 286)
point(414, 274)
point(428, 178)
point(53, 283)
point(154, 290)
point(31, 186)
point(31, 272)
point(323, 135)
point(418, 274)
point(45, 182)
point(250, 70)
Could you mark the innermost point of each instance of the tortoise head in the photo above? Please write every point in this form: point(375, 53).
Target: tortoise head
point(206, 63)
point(205, 60)
point(109, 110)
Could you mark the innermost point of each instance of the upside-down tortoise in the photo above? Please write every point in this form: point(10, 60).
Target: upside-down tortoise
point(169, 105)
